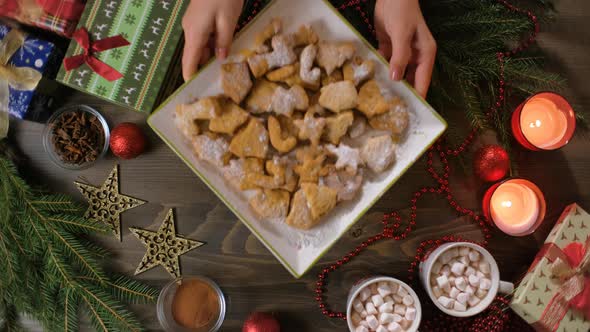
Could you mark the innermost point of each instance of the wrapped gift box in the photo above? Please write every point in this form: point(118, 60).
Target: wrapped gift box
point(558, 273)
point(31, 62)
point(59, 16)
point(149, 65)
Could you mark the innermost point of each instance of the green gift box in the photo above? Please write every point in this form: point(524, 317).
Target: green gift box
point(559, 277)
point(149, 65)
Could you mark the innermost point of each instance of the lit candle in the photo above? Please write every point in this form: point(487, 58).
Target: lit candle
point(516, 206)
point(545, 121)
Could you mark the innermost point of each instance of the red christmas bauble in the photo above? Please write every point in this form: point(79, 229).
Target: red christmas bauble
point(491, 163)
point(127, 141)
point(261, 322)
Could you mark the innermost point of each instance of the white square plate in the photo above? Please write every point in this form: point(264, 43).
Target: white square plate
point(299, 250)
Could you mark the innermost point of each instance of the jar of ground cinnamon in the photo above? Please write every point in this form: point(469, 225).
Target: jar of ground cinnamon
point(191, 304)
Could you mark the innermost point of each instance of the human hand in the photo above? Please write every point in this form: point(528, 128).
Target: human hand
point(405, 38)
point(203, 20)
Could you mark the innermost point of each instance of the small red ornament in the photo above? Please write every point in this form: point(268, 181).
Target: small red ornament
point(491, 163)
point(261, 322)
point(127, 141)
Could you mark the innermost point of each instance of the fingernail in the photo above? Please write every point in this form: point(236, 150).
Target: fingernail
point(395, 75)
point(221, 52)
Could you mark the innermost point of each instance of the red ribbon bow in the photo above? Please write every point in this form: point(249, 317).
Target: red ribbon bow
point(570, 265)
point(90, 48)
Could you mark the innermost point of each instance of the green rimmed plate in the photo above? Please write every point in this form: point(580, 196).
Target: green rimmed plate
point(299, 250)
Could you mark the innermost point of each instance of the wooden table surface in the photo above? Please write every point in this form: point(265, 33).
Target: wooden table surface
point(251, 278)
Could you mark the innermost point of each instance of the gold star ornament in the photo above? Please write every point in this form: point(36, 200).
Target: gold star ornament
point(106, 203)
point(164, 247)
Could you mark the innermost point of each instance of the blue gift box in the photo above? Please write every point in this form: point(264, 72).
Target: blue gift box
point(39, 55)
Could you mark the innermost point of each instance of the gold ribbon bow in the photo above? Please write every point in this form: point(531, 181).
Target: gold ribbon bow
point(20, 78)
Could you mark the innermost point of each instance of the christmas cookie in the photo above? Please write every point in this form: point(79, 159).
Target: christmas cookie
point(395, 120)
point(235, 80)
point(339, 96)
point(333, 55)
point(358, 70)
point(271, 204)
point(337, 126)
point(280, 140)
point(251, 141)
point(378, 153)
point(232, 117)
point(260, 98)
point(370, 100)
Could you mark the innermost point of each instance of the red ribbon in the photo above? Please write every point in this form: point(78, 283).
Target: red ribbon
point(90, 48)
point(64, 9)
point(573, 255)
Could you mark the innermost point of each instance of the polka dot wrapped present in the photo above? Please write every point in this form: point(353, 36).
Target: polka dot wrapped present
point(554, 295)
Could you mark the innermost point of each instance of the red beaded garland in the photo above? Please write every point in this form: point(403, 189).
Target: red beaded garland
point(494, 318)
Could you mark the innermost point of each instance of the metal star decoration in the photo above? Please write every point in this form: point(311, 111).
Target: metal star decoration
point(164, 247)
point(106, 203)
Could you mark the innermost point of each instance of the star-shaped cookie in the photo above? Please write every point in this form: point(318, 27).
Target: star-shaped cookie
point(164, 247)
point(106, 203)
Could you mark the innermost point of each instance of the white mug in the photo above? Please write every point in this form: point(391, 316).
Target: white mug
point(497, 285)
point(359, 285)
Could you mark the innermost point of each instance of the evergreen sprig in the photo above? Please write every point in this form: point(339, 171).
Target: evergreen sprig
point(52, 269)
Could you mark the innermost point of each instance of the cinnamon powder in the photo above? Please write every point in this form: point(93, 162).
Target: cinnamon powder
point(195, 304)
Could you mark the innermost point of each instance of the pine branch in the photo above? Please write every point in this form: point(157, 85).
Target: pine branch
point(43, 238)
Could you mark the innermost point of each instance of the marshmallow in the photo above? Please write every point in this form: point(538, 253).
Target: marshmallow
point(377, 300)
point(361, 329)
point(436, 267)
point(458, 268)
point(358, 306)
point(443, 283)
point(446, 270)
point(385, 318)
point(397, 318)
point(399, 309)
point(381, 328)
point(481, 293)
point(459, 306)
point(469, 271)
point(452, 280)
point(408, 300)
point(464, 260)
point(473, 301)
point(474, 256)
point(410, 314)
point(454, 251)
point(454, 292)
point(405, 324)
point(370, 307)
point(436, 291)
point(373, 322)
point(394, 287)
point(464, 251)
point(474, 280)
point(394, 327)
point(355, 318)
point(397, 298)
point(388, 298)
point(461, 284)
point(402, 291)
point(484, 267)
point(365, 294)
point(364, 314)
point(373, 288)
point(470, 290)
point(364, 323)
point(463, 298)
point(445, 302)
point(485, 284)
point(386, 307)
point(480, 275)
point(383, 290)
point(446, 257)
point(475, 265)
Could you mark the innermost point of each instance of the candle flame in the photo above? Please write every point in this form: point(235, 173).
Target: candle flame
point(506, 204)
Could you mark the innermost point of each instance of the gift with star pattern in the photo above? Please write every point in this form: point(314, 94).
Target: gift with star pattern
point(127, 52)
point(27, 63)
point(555, 293)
